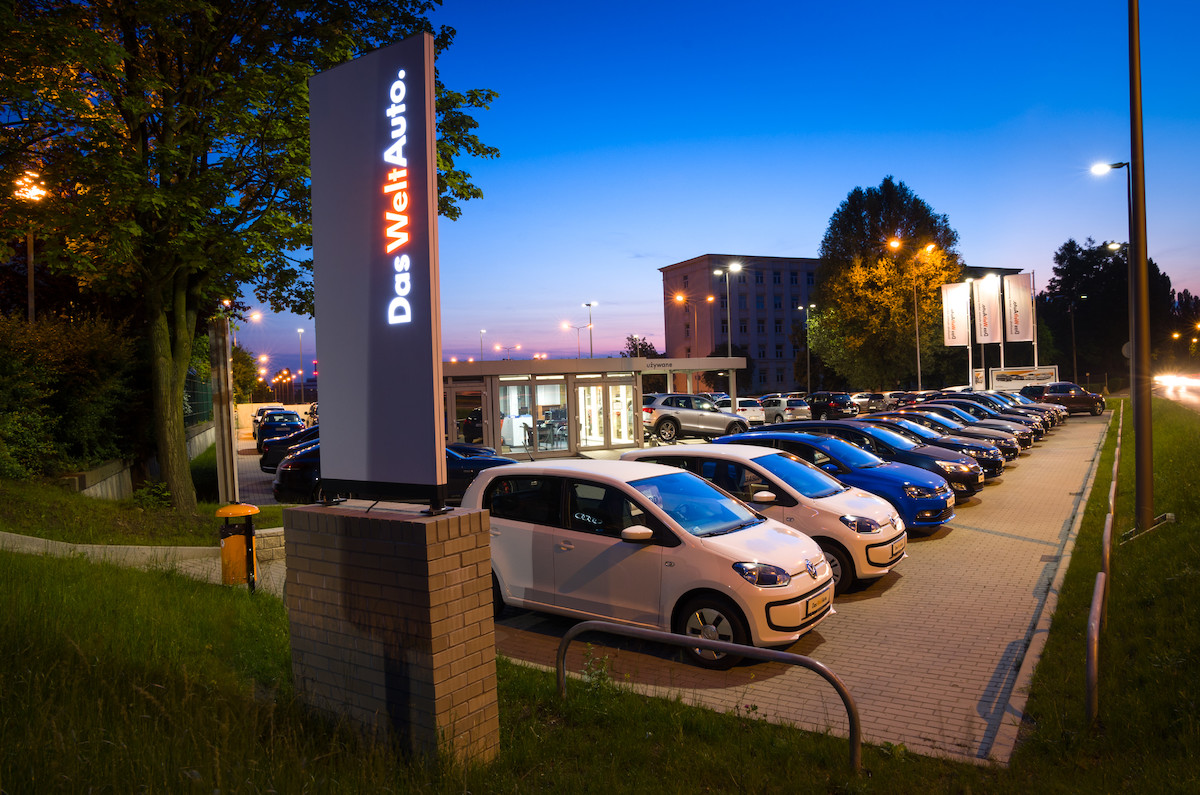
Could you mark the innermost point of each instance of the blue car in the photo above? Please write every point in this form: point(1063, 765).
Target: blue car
point(277, 423)
point(922, 498)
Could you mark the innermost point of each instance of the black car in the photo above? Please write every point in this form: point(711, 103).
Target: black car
point(1006, 442)
point(962, 472)
point(1023, 432)
point(274, 449)
point(1001, 407)
point(298, 477)
point(988, 456)
point(982, 411)
point(1070, 396)
point(831, 405)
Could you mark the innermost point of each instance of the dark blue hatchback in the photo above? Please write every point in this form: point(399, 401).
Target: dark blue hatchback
point(922, 498)
point(277, 423)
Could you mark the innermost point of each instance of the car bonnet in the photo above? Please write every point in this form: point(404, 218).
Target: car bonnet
point(769, 542)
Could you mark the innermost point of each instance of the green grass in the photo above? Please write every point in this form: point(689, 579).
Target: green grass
point(125, 680)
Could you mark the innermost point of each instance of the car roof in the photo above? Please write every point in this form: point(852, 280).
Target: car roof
point(598, 469)
point(732, 452)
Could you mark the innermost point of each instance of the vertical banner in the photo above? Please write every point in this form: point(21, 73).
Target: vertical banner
point(987, 309)
point(375, 273)
point(1018, 305)
point(956, 314)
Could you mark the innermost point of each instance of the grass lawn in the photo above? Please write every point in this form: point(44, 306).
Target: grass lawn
point(125, 680)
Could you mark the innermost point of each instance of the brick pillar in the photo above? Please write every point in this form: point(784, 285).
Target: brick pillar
point(390, 614)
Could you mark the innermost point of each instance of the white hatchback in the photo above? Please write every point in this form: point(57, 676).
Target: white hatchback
point(861, 535)
point(748, 409)
point(651, 546)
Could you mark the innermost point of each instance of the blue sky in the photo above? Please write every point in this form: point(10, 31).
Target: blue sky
point(635, 135)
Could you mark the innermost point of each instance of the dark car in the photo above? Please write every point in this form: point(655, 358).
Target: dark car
point(1005, 442)
point(982, 411)
point(964, 475)
point(274, 450)
point(922, 498)
point(298, 477)
point(277, 423)
point(1057, 414)
point(988, 456)
point(831, 405)
point(1002, 407)
point(1024, 434)
point(1070, 396)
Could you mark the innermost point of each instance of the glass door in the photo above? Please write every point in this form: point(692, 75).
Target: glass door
point(591, 416)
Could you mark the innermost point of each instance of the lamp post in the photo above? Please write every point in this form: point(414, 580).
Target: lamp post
point(683, 301)
point(507, 349)
point(567, 327)
point(591, 347)
point(733, 267)
point(894, 243)
point(300, 372)
point(807, 310)
point(31, 189)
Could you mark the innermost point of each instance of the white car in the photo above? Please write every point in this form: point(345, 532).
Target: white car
point(861, 535)
point(651, 546)
point(748, 409)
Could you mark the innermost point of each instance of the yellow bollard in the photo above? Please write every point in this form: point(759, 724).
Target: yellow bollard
point(238, 558)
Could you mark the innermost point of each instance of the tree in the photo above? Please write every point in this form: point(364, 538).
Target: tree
point(884, 247)
point(720, 378)
point(244, 371)
point(173, 135)
point(637, 345)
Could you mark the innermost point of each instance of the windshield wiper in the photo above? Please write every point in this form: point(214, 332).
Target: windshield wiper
point(735, 528)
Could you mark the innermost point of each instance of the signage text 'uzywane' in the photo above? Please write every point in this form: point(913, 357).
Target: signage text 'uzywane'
point(396, 219)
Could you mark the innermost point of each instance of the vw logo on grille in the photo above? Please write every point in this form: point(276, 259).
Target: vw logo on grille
point(811, 567)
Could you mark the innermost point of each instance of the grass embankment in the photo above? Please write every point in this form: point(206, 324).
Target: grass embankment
point(46, 510)
point(122, 680)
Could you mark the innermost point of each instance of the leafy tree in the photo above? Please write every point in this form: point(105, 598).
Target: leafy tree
point(637, 345)
point(884, 247)
point(173, 136)
point(245, 373)
point(1091, 283)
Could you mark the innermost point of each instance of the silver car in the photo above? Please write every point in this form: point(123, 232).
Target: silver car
point(748, 409)
point(785, 409)
point(674, 416)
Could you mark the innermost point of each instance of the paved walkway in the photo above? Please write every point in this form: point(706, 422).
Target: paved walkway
point(938, 654)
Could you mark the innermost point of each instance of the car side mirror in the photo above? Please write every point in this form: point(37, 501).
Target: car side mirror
point(763, 496)
point(637, 534)
point(831, 468)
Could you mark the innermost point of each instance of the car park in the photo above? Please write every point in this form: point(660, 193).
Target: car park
point(862, 536)
point(963, 474)
point(1005, 442)
point(785, 409)
point(674, 416)
point(275, 449)
point(1071, 396)
point(748, 409)
point(1023, 433)
point(983, 411)
point(651, 546)
point(988, 456)
point(831, 405)
point(276, 423)
point(298, 476)
point(923, 499)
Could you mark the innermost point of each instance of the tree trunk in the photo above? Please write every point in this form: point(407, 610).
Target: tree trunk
point(171, 351)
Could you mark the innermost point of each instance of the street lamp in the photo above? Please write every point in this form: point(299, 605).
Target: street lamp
point(507, 348)
point(567, 327)
point(300, 332)
point(30, 188)
point(733, 267)
point(807, 310)
point(591, 349)
point(684, 302)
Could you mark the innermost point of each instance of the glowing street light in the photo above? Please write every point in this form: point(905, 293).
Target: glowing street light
point(591, 347)
point(895, 244)
point(30, 188)
point(567, 327)
point(733, 267)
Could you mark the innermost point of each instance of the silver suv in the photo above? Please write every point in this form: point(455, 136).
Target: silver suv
point(785, 409)
point(673, 416)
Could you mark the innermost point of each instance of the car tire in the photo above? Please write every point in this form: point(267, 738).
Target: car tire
point(818, 415)
point(668, 430)
point(717, 619)
point(841, 566)
point(497, 598)
point(735, 427)
point(1096, 410)
point(778, 418)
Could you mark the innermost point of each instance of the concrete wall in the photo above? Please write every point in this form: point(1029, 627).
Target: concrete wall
point(114, 480)
point(390, 613)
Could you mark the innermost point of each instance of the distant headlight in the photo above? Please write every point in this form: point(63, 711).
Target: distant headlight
point(952, 466)
point(860, 524)
point(918, 493)
point(763, 575)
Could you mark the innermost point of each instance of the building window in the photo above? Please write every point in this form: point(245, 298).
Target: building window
point(687, 352)
point(794, 278)
point(760, 302)
point(758, 277)
point(779, 350)
point(742, 326)
point(812, 279)
point(778, 326)
point(687, 329)
point(777, 278)
point(724, 301)
point(741, 278)
point(796, 303)
point(762, 377)
point(760, 326)
point(724, 327)
point(778, 301)
point(685, 281)
point(762, 351)
point(741, 302)
point(779, 375)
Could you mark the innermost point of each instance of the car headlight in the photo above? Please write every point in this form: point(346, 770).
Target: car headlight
point(764, 575)
point(918, 493)
point(897, 522)
point(953, 466)
point(860, 524)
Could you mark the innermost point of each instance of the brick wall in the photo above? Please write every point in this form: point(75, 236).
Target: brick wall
point(390, 613)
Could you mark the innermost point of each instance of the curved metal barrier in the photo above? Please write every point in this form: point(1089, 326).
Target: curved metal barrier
point(670, 638)
point(1095, 621)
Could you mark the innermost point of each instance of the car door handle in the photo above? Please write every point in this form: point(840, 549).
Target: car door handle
point(565, 546)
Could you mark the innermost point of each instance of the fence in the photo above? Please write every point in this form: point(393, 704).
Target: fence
point(197, 400)
point(1098, 613)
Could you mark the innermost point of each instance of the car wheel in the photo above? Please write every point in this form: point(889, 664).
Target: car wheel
point(497, 599)
point(778, 418)
point(713, 618)
point(668, 430)
point(735, 427)
point(1096, 410)
point(818, 415)
point(840, 566)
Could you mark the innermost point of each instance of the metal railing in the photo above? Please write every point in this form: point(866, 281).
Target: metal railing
point(670, 638)
point(1098, 612)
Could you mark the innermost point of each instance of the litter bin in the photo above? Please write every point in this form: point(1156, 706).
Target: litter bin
point(239, 547)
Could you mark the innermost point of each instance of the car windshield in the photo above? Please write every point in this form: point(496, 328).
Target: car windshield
point(800, 475)
point(696, 505)
point(912, 430)
point(851, 455)
point(966, 417)
point(891, 438)
point(1021, 399)
point(283, 418)
point(945, 422)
